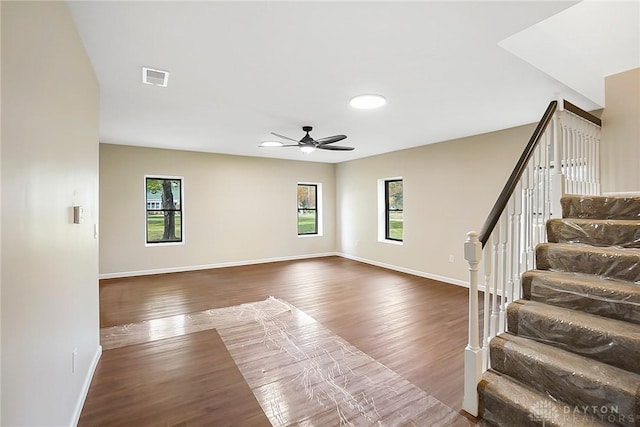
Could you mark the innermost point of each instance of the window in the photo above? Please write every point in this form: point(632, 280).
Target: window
point(393, 213)
point(308, 218)
point(164, 210)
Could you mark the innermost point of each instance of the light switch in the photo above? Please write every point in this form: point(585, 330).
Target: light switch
point(78, 214)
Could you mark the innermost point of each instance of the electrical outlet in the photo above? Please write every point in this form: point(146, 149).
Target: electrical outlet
point(451, 258)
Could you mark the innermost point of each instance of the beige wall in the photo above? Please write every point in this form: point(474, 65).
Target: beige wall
point(620, 147)
point(49, 265)
point(236, 209)
point(449, 188)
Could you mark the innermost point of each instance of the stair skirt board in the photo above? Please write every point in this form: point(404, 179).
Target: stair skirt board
point(570, 356)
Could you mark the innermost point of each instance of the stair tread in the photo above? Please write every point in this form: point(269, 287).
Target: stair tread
point(581, 247)
point(533, 407)
point(612, 326)
point(614, 262)
point(592, 369)
point(601, 207)
point(587, 280)
point(616, 299)
point(576, 380)
point(606, 221)
point(597, 232)
point(601, 338)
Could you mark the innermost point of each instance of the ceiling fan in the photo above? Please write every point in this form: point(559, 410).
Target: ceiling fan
point(307, 144)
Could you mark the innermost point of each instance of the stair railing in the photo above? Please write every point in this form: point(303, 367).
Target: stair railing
point(561, 157)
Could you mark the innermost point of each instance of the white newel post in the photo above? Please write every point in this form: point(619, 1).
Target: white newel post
point(472, 353)
point(557, 179)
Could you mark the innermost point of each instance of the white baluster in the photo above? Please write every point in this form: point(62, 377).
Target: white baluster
point(518, 241)
point(557, 190)
point(511, 247)
point(503, 224)
point(494, 288)
point(486, 331)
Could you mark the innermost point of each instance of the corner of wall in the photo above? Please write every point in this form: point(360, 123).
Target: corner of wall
point(85, 386)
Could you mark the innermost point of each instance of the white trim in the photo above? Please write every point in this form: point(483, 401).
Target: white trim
point(393, 242)
point(426, 275)
point(622, 193)
point(85, 386)
point(408, 271)
point(209, 266)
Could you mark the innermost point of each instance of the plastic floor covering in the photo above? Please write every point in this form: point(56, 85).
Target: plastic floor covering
point(300, 372)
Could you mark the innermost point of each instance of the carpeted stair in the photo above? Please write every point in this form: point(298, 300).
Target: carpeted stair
point(571, 356)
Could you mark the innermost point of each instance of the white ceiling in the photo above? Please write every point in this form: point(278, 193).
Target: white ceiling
point(240, 70)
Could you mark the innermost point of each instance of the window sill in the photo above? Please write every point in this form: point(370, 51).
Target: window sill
point(309, 235)
point(152, 245)
point(392, 242)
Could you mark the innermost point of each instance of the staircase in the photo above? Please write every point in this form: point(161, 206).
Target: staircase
point(571, 353)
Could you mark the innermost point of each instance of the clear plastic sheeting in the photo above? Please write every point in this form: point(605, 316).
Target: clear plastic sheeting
point(614, 299)
point(300, 372)
point(606, 340)
point(601, 207)
point(620, 264)
point(579, 385)
point(502, 398)
point(620, 233)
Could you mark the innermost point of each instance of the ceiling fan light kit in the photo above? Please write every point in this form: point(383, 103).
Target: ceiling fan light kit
point(368, 101)
point(307, 144)
point(306, 149)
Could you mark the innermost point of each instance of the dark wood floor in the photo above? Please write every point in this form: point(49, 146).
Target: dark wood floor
point(185, 380)
point(415, 326)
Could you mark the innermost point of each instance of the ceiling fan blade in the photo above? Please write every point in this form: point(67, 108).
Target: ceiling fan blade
point(284, 137)
point(334, 148)
point(330, 139)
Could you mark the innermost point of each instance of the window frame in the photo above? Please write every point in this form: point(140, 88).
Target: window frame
point(383, 211)
point(147, 209)
point(318, 210)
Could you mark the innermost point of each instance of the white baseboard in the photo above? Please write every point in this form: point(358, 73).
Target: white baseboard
point(85, 386)
point(287, 258)
point(407, 270)
point(622, 193)
point(209, 266)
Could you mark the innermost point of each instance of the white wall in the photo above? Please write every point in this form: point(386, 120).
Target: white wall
point(449, 188)
point(236, 209)
point(49, 265)
point(620, 147)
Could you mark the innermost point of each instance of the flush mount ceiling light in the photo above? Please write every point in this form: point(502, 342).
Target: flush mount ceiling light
point(154, 77)
point(367, 101)
point(271, 144)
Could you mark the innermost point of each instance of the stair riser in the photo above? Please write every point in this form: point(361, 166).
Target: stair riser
point(505, 402)
point(593, 233)
point(496, 411)
point(575, 390)
point(621, 266)
point(605, 302)
point(601, 207)
point(585, 339)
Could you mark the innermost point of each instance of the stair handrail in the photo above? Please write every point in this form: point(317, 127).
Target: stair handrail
point(516, 174)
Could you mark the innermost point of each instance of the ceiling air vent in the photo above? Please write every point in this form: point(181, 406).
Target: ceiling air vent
point(155, 77)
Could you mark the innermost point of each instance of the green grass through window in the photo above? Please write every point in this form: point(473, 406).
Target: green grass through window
point(396, 225)
point(155, 227)
point(307, 222)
